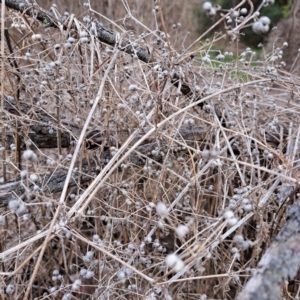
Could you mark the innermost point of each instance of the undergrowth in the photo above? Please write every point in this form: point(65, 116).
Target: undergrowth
point(118, 184)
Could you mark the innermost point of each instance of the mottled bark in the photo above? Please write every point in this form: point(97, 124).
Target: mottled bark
point(281, 260)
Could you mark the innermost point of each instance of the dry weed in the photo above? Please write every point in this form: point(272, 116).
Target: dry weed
point(137, 169)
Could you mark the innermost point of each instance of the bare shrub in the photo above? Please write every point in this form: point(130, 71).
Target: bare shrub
point(138, 167)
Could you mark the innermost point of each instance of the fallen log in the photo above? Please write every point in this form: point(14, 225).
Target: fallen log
point(280, 262)
point(53, 182)
point(42, 135)
point(47, 183)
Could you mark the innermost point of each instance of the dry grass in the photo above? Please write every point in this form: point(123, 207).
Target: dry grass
point(107, 237)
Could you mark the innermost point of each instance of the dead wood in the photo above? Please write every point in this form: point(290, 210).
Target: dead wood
point(279, 263)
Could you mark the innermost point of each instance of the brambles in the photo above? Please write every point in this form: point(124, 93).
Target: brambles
point(133, 164)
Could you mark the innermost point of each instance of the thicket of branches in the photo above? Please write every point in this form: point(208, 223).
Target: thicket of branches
point(138, 166)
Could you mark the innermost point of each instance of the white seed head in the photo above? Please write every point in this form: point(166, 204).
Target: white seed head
point(34, 177)
point(220, 57)
point(228, 214)
point(174, 262)
point(29, 155)
point(68, 45)
point(89, 256)
point(121, 275)
point(258, 27)
point(71, 40)
point(76, 285)
point(83, 34)
point(206, 59)
point(55, 272)
point(132, 87)
point(13, 204)
point(67, 296)
point(232, 221)
point(238, 239)
point(21, 209)
point(244, 11)
point(235, 14)
point(182, 231)
point(161, 209)
point(23, 173)
point(265, 20)
point(10, 289)
point(247, 207)
point(84, 40)
point(171, 260)
point(207, 6)
point(83, 272)
point(178, 266)
point(212, 12)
